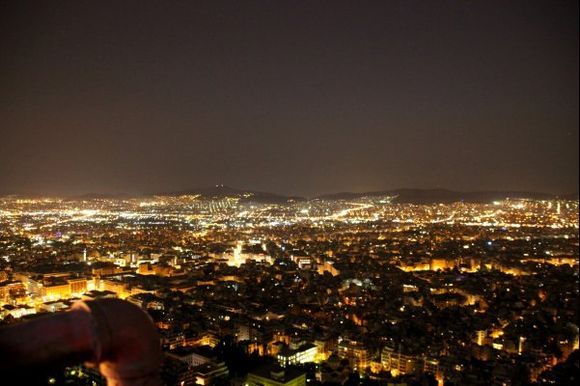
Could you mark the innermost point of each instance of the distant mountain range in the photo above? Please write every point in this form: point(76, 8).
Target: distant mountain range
point(414, 196)
point(220, 191)
point(430, 196)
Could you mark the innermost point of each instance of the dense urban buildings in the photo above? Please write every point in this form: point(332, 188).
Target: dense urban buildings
point(252, 289)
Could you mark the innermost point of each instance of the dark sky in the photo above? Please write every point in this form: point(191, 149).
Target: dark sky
point(288, 96)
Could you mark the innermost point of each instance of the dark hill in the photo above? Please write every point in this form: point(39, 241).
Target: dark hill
point(429, 196)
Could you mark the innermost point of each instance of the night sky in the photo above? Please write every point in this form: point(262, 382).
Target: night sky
point(289, 97)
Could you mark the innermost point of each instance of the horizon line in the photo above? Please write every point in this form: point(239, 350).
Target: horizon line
point(89, 194)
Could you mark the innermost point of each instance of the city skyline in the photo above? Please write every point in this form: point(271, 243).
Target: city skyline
point(368, 290)
point(407, 195)
point(289, 193)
